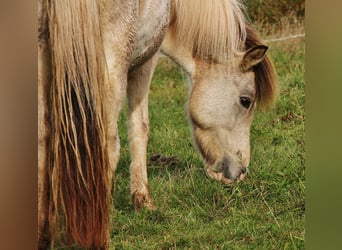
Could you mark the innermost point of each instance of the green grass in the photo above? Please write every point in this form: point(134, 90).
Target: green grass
point(265, 211)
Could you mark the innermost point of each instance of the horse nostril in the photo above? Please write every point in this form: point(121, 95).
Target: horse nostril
point(243, 170)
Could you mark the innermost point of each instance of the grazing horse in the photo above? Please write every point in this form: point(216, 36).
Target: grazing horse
point(94, 53)
point(230, 75)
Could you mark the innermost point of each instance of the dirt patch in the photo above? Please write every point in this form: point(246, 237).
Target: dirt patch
point(163, 161)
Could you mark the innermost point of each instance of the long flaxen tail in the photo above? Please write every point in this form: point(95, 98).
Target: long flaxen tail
point(78, 160)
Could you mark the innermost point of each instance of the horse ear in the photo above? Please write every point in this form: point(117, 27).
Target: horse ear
point(253, 56)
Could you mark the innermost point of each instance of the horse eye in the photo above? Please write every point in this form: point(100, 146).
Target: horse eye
point(245, 102)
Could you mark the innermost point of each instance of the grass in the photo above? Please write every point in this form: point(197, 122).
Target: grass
point(265, 211)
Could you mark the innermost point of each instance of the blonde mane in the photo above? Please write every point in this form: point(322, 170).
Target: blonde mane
point(211, 29)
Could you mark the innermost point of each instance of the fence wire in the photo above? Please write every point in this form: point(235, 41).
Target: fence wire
point(285, 38)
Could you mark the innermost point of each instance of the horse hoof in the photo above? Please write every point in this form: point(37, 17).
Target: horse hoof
point(141, 200)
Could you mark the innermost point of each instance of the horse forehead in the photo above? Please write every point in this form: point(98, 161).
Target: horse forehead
point(224, 72)
point(245, 78)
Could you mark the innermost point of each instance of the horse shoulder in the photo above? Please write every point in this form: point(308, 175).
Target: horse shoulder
point(152, 25)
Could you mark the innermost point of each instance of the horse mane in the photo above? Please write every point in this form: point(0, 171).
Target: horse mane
point(265, 74)
point(211, 29)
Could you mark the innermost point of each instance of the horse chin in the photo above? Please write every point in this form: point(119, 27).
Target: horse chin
point(226, 171)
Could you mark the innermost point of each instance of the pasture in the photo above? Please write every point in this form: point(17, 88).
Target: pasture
point(264, 211)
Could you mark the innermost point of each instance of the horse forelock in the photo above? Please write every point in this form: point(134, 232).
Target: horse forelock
point(265, 74)
point(211, 29)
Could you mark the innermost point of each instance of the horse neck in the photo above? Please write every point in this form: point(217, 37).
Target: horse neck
point(178, 53)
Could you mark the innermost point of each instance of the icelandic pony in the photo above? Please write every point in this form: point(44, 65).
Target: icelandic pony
point(230, 74)
point(92, 53)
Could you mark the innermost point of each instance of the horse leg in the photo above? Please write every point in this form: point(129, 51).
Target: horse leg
point(115, 90)
point(138, 129)
point(118, 30)
point(115, 94)
point(43, 181)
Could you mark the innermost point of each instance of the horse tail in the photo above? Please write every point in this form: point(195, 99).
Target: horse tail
point(78, 160)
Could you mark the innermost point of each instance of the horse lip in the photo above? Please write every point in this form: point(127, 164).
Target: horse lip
point(217, 167)
point(244, 170)
point(228, 167)
point(220, 166)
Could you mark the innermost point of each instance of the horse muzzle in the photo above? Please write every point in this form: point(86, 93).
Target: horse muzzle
point(227, 170)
